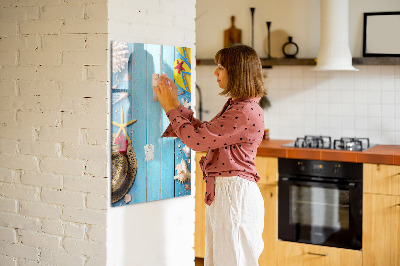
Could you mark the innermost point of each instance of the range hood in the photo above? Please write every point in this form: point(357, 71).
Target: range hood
point(334, 51)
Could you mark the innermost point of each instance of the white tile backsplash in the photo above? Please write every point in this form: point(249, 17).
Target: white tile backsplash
point(388, 97)
point(374, 110)
point(388, 111)
point(364, 103)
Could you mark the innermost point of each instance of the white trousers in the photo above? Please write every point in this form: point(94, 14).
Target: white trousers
point(234, 223)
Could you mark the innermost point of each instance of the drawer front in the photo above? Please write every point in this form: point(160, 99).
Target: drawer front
point(381, 179)
point(290, 253)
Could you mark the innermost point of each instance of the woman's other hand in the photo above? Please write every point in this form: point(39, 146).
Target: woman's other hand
point(164, 95)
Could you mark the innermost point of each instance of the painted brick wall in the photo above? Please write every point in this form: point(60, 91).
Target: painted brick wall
point(53, 121)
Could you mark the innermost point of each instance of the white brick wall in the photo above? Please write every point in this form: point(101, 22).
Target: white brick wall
point(53, 121)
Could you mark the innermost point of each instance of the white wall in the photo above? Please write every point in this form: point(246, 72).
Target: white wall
point(338, 104)
point(160, 232)
point(53, 109)
point(299, 18)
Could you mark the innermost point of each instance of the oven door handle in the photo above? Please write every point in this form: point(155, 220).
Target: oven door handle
point(330, 184)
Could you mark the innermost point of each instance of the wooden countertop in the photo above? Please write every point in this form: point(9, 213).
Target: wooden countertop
point(379, 154)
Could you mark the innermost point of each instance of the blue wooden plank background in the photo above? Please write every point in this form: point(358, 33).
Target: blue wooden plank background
point(154, 178)
point(168, 144)
point(137, 66)
point(154, 124)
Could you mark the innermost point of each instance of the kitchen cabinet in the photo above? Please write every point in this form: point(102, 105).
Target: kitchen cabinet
point(267, 168)
point(299, 254)
point(381, 221)
point(200, 207)
point(381, 215)
point(270, 233)
point(381, 179)
point(381, 230)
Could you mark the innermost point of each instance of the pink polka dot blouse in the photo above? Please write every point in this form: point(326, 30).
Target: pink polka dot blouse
point(231, 139)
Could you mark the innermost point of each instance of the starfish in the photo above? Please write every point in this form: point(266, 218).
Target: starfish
point(122, 126)
point(179, 66)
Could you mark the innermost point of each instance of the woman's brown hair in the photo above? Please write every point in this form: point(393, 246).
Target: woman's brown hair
point(245, 78)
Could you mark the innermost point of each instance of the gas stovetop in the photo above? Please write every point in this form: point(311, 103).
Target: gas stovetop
point(325, 142)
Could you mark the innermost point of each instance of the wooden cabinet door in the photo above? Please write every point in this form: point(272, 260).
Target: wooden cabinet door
point(381, 179)
point(298, 254)
point(267, 168)
point(270, 233)
point(381, 230)
point(200, 207)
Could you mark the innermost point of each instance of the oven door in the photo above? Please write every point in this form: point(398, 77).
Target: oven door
point(321, 212)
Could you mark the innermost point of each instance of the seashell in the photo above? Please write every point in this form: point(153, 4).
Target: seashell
point(127, 77)
point(149, 152)
point(185, 103)
point(128, 198)
point(183, 172)
point(118, 96)
point(119, 59)
point(186, 150)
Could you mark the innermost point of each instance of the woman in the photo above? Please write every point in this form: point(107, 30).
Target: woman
point(235, 208)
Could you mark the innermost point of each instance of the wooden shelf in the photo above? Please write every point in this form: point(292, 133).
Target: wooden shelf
point(312, 61)
point(288, 62)
point(376, 61)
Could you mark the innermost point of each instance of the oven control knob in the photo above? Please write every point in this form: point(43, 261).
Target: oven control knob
point(302, 167)
point(336, 169)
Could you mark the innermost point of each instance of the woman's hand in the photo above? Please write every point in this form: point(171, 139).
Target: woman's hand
point(174, 90)
point(164, 95)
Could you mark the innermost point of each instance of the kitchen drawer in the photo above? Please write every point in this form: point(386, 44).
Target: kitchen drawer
point(381, 179)
point(267, 168)
point(298, 254)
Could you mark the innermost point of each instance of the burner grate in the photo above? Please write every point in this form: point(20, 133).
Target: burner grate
point(351, 144)
point(320, 142)
point(324, 142)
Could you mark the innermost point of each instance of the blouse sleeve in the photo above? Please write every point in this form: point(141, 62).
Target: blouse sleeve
point(188, 114)
point(223, 131)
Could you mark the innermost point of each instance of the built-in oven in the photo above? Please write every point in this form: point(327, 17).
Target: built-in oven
point(320, 202)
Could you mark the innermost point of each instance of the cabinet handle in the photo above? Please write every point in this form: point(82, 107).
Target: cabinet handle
point(311, 253)
point(398, 204)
